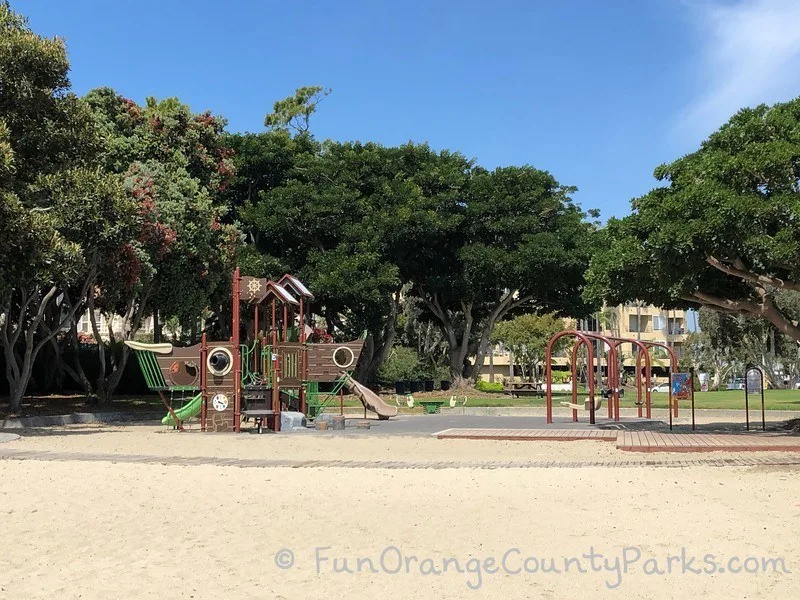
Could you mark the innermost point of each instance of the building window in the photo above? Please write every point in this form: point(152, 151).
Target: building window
point(659, 323)
point(85, 325)
point(675, 326)
point(637, 323)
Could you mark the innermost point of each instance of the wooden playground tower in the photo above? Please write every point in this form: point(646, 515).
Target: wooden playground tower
point(611, 345)
point(274, 369)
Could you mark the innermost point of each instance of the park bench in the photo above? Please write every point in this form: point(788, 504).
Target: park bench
point(431, 406)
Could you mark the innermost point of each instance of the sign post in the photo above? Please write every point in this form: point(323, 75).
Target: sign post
point(754, 384)
point(682, 388)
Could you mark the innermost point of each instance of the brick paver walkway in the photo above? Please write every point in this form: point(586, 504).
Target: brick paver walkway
point(40, 455)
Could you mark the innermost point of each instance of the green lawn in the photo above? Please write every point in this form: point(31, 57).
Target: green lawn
point(732, 399)
point(728, 399)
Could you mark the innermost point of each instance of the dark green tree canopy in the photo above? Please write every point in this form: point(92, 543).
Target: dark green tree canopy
point(723, 232)
point(60, 215)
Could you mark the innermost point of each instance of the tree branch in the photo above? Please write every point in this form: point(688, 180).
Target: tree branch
point(733, 306)
point(740, 270)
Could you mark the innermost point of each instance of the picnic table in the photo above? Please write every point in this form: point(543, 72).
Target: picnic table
point(523, 388)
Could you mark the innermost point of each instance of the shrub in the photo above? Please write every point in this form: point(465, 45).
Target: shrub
point(560, 376)
point(402, 364)
point(485, 386)
point(442, 373)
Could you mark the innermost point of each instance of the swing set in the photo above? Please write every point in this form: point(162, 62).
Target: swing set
point(611, 345)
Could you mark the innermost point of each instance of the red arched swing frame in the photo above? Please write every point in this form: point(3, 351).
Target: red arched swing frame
point(618, 341)
point(583, 338)
point(673, 368)
point(613, 343)
point(612, 373)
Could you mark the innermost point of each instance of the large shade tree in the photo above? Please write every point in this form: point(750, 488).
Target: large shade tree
point(174, 166)
point(318, 216)
point(501, 240)
point(724, 229)
point(366, 224)
point(59, 215)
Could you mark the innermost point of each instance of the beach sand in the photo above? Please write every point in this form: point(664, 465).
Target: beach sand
point(78, 528)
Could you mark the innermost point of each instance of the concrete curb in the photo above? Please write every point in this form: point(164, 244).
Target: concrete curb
point(77, 418)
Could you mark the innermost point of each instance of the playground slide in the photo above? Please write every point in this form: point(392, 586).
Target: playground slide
point(370, 399)
point(192, 409)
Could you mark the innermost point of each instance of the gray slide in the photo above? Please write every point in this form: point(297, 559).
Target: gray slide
point(370, 399)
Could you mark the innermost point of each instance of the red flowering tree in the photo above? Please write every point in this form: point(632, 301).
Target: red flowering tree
point(174, 165)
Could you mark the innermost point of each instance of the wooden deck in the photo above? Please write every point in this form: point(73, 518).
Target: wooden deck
point(640, 441)
point(560, 435)
point(637, 441)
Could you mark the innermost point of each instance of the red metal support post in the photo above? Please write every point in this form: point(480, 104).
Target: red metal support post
point(255, 339)
point(301, 336)
point(237, 351)
point(642, 350)
point(691, 386)
point(203, 381)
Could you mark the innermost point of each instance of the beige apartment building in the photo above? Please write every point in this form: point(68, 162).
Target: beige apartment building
point(643, 322)
point(634, 320)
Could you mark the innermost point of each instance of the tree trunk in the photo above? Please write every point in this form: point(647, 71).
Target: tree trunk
point(156, 327)
point(19, 366)
point(132, 321)
point(76, 370)
point(378, 351)
point(459, 347)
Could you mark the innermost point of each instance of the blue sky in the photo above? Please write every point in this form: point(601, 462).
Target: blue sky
point(597, 92)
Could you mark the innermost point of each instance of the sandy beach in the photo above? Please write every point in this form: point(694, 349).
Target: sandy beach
point(74, 527)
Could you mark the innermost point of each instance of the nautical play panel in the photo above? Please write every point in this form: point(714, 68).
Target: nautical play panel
point(275, 369)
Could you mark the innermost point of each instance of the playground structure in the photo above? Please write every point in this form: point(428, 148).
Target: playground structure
point(275, 370)
point(611, 345)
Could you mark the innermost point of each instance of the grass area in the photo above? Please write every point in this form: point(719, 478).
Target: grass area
point(733, 399)
point(728, 399)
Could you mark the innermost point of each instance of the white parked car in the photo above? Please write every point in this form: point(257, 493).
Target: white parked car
point(661, 387)
point(737, 383)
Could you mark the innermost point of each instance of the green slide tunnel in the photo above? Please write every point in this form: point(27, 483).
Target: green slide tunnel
point(192, 409)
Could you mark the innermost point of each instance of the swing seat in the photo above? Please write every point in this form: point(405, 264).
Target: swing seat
point(586, 404)
point(454, 401)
